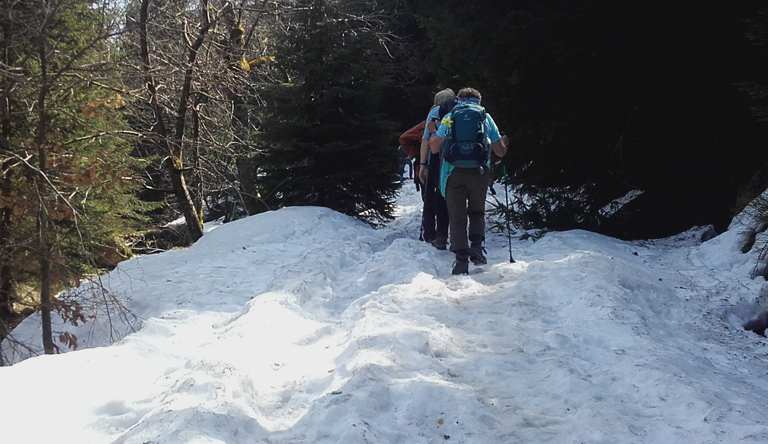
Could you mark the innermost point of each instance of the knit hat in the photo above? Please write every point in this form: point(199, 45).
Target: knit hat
point(442, 96)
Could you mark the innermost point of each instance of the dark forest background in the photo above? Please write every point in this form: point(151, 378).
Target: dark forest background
point(604, 98)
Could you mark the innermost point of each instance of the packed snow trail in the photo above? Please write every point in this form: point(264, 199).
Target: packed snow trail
point(305, 326)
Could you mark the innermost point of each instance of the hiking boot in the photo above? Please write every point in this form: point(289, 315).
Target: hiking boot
point(461, 264)
point(440, 243)
point(476, 255)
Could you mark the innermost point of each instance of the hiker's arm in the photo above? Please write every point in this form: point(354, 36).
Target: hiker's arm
point(423, 168)
point(432, 128)
point(434, 143)
point(425, 147)
point(500, 146)
point(424, 156)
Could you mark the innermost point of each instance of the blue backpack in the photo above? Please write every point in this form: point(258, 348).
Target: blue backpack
point(465, 144)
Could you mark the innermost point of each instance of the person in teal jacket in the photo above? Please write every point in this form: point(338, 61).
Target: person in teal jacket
point(465, 191)
point(435, 211)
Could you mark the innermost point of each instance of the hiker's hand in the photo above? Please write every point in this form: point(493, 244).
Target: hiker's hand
point(423, 174)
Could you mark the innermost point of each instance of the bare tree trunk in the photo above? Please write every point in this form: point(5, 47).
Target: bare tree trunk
point(42, 217)
point(3, 333)
point(197, 155)
point(195, 218)
point(7, 313)
point(45, 290)
point(175, 163)
point(186, 205)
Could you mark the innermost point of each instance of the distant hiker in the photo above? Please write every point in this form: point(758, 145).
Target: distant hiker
point(405, 163)
point(410, 143)
point(468, 132)
point(435, 212)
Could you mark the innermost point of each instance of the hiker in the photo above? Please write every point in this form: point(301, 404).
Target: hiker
point(410, 143)
point(465, 175)
point(435, 212)
point(405, 163)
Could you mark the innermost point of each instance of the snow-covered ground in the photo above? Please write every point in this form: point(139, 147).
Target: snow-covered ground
point(305, 326)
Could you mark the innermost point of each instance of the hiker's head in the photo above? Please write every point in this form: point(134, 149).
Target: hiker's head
point(442, 96)
point(469, 93)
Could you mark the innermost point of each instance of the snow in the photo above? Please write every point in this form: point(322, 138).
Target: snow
point(305, 326)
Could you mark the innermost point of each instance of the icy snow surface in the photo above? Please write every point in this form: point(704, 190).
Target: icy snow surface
point(305, 326)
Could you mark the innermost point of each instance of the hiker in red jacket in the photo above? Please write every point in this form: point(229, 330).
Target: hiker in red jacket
point(410, 143)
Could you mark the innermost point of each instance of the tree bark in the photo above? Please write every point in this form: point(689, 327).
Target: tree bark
point(7, 313)
point(42, 217)
point(174, 142)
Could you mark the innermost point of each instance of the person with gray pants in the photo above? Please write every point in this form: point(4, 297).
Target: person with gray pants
point(465, 188)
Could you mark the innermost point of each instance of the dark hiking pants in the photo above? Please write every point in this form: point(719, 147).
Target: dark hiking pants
point(435, 210)
point(465, 194)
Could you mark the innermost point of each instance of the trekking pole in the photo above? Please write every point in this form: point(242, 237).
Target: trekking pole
point(421, 228)
point(506, 215)
point(421, 190)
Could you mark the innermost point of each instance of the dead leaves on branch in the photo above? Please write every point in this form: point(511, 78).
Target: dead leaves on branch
point(73, 177)
point(97, 107)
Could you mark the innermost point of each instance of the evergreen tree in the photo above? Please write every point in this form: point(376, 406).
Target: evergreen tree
point(323, 139)
point(66, 186)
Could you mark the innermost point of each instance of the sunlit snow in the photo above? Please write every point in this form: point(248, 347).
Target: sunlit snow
point(305, 326)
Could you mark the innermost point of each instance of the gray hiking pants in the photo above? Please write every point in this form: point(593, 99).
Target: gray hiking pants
point(465, 194)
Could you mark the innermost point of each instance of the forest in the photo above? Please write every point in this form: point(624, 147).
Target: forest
point(631, 119)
